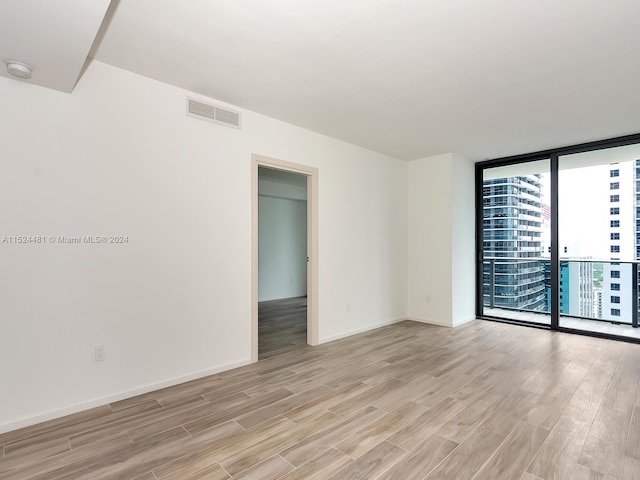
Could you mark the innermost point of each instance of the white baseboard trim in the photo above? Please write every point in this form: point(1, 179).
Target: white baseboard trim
point(457, 323)
point(361, 330)
point(26, 422)
point(440, 323)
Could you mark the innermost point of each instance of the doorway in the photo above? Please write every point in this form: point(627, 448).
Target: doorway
point(282, 261)
point(284, 257)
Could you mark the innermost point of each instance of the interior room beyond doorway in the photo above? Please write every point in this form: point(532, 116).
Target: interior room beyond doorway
point(282, 261)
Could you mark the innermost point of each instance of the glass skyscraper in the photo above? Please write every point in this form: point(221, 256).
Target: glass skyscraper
point(512, 231)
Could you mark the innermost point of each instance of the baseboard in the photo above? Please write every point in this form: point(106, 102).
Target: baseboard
point(457, 323)
point(440, 323)
point(430, 321)
point(361, 330)
point(26, 422)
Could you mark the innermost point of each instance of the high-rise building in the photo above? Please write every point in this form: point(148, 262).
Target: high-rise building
point(598, 305)
point(514, 275)
point(564, 296)
point(577, 296)
point(636, 219)
point(623, 243)
point(636, 171)
point(581, 301)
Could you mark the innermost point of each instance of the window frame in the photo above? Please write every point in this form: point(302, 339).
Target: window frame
point(553, 156)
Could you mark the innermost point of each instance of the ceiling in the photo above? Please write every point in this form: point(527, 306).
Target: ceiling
point(409, 78)
point(53, 37)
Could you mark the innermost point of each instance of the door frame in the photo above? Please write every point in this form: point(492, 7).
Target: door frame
point(312, 244)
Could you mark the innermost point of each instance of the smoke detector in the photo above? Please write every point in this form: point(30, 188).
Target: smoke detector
point(18, 69)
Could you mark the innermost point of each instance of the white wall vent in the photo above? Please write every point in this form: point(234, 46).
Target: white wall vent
point(212, 113)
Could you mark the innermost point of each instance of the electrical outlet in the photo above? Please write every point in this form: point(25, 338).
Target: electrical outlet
point(348, 307)
point(99, 353)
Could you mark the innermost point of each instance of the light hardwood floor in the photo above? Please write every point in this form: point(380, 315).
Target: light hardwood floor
point(408, 401)
point(282, 326)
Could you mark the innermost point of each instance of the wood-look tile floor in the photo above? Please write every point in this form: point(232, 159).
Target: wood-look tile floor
point(282, 326)
point(408, 401)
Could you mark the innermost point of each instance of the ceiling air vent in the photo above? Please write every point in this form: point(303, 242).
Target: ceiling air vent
point(212, 113)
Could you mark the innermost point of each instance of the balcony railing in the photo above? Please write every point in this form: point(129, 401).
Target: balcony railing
point(599, 290)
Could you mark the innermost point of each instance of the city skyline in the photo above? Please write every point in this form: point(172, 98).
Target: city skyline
point(598, 220)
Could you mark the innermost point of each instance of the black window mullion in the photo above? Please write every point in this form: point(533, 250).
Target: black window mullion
point(479, 242)
point(555, 249)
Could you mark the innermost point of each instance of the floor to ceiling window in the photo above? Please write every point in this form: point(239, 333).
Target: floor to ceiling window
point(516, 261)
point(559, 238)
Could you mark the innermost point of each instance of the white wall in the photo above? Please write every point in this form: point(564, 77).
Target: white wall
point(119, 157)
point(282, 248)
point(463, 240)
point(429, 239)
point(282, 240)
point(441, 240)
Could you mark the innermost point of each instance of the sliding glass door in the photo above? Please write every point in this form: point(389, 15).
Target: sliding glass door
point(559, 238)
point(599, 237)
point(515, 242)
